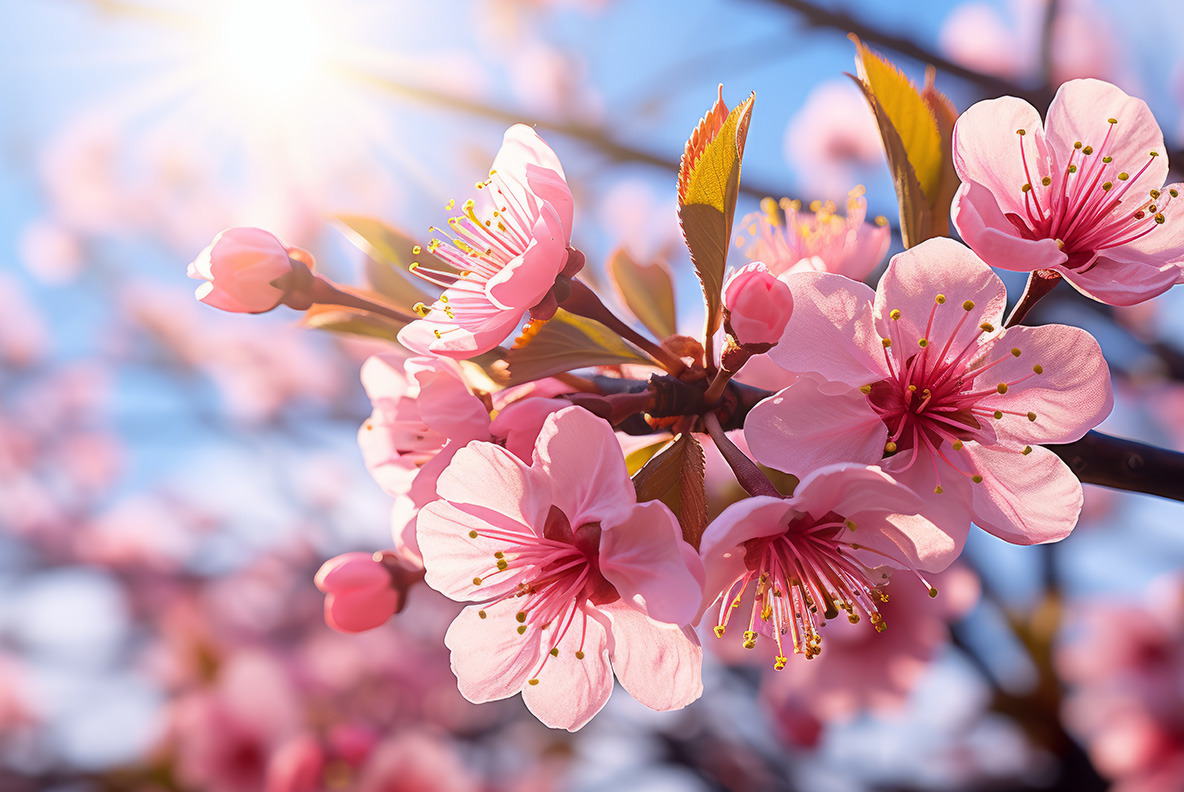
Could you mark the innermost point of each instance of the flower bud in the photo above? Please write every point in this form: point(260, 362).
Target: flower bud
point(240, 269)
point(758, 304)
point(360, 592)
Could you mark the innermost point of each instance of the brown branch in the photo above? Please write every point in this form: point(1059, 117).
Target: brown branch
point(1097, 458)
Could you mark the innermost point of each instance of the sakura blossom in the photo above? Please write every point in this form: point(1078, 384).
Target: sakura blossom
point(788, 238)
point(240, 269)
point(758, 305)
point(921, 377)
point(507, 248)
point(808, 557)
point(1080, 194)
point(570, 578)
point(362, 590)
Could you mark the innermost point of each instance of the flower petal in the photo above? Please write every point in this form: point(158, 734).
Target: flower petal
point(987, 148)
point(830, 332)
point(499, 486)
point(803, 428)
point(454, 559)
point(645, 558)
point(523, 281)
point(583, 459)
point(720, 547)
point(660, 665)
point(981, 223)
point(1024, 498)
point(490, 659)
point(571, 689)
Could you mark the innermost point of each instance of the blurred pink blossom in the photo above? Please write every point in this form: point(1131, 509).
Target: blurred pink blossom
point(832, 141)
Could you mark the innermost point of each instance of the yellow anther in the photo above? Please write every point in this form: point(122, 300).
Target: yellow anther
point(1159, 218)
point(1047, 180)
point(1038, 369)
point(1027, 450)
point(499, 554)
point(1088, 150)
point(779, 662)
point(719, 631)
point(476, 581)
point(890, 447)
point(881, 221)
point(987, 327)
point(940, 299)
point(1016, 352)
point(1107, 185)
point(520, 616)
point(579, 655)
point(1155, 153)
point(482, 614)
point(1072, 169)
point(437, 334)
point(850, 525)
point(1107, 160)
point(1025, 188)
point(998, 414)
point(937, 490)
point(749, 639)
point(957, 445)
point(977, 479)
point(1123, 176)
point(532, 681)
point(1174, 193)
point(1154, 193)
point(1021, 132)
point(932, 591)
point(1031, 416)
point(1078, 145)
point(886, 342)
point(1001, 387)
point(912, 388)
point(555, 651)
point(522, 629)
point(421, 309)
point(448, 207)
point(502, 565)
point(922, 342)
point(894, 314)
point(968, 305)
point(472, 534)
point(1112, 120)
point(865, 389)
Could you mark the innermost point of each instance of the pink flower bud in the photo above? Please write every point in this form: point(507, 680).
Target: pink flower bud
point(240, 269)
point(758, 303)
point(360, 592)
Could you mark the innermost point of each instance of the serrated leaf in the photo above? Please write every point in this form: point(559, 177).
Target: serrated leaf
point(912, 125)
point(567, 342)
point(389, 253)
point(708, 186)
point(351, 321)
point(675, 476)
point(646, 289)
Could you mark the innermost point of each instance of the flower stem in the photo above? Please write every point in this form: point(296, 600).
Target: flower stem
point(747, 473)
point(1040, 283)
point(584, 302)
point(324, 292)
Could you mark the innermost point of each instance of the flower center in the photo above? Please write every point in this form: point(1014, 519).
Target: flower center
point(1086, 208)
point(558, 576)
point(801, 578)
point(936, 396)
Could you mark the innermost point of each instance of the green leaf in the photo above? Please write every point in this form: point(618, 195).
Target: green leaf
point(916, 127)
point(675, 476)
point(352, 321)
point(389, 253)
point(708, 186)
point(567, 342)
point(646, 289)
point(635, 460)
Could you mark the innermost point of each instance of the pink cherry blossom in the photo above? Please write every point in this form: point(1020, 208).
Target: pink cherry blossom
point(919, 374)
point(507, 248)
point(240, 268)
point(821, 551)
point(819, 240)
point(1081, 194)
point(360, 592)
point(758, 305)
point(571, 578)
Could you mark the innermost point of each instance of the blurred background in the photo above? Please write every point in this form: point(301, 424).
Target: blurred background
point(171, 477)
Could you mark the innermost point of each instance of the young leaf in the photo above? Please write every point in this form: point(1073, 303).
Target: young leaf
point(708, 185)
point(675, 476)
point(351, 321)
point(567, 342)
point(389, 253)
point(915, 126)
point(647, 291)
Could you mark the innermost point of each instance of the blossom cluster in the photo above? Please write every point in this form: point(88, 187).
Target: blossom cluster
point(901, 416)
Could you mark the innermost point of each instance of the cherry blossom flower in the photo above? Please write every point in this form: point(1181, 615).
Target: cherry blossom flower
point(363, 590)
point(1081, 194)
point(758, 305)
point(921, 375)
point(570, 577)
point(240, 269)
point(810, 556)
point(507, 248)
point(793, 240)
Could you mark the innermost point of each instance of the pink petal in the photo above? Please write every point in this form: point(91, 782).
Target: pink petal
point(831, 331)
point(455, 341)
point(571, 689)
point(383, 377)
point(992, 236)
point(1121, 276)
point(1081, 110)
point(1024, 498)
point(445, 402)
point(1070, 396)
point(987, 148)
point(454, 559)
point(351, 571)
point(520, 422)
point(523, 281)
point(550, 187)
point(803, 428)
point(848, 489)
point(498, 483)
point(645, 558)
point(660, 665)
point(361, 610)
point(490, 659)
point(583, 459)
point(522, 146)
point(915, 279)
point(720, 547)
point(949, 511)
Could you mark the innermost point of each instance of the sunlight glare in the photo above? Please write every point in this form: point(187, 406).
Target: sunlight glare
point(271, 50)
